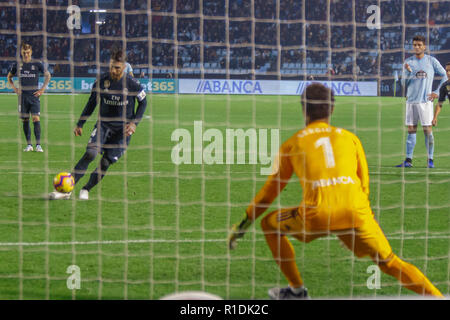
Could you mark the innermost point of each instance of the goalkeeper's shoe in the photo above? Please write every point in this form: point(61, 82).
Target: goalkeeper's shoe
point(55, 195)
point(39, 148)
point(288, 294)
point(430, 163)
point(405, 164)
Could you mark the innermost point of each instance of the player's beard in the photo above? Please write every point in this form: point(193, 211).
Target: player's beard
point(115, 76)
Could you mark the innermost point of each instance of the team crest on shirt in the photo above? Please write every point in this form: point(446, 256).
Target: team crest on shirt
point(32, 67)
point(106, 84)
point(421, 74)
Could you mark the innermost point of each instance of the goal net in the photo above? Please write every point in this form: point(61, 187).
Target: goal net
point(223, 80)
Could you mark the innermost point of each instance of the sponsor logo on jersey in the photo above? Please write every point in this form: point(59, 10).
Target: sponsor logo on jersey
point(421, 74)
point(332, 182)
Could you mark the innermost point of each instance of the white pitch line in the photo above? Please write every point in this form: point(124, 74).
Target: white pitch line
point(407, 172)
point(143, 241)
point(69, 243)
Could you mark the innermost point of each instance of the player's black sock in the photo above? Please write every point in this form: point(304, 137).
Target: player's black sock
point(96, 176)
point(27, 131)
point(83, 164)
point(37, 131)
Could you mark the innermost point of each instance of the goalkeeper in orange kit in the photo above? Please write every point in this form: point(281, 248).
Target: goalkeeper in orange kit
point(332, 168)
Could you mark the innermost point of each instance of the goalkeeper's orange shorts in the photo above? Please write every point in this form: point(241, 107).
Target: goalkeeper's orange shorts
point(365, 240)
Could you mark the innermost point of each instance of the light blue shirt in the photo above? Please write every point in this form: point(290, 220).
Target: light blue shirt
point(419, 82)
point(128, 68)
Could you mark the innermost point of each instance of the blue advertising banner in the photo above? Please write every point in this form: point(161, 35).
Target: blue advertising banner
point(213, 86)
point(273, 87)
point(84, 85)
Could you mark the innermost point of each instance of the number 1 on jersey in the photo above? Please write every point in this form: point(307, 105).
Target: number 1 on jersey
point(327, 151)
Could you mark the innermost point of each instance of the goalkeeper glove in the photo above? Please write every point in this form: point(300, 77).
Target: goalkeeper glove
point(238, 231)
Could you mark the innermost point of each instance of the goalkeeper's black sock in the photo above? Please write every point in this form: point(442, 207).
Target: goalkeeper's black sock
point(27, 131)
point(37, 131)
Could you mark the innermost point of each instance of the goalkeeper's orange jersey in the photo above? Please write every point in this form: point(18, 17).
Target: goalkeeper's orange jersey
point(332, 168)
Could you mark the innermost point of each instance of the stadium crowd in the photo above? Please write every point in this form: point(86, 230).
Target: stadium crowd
point(310, 41)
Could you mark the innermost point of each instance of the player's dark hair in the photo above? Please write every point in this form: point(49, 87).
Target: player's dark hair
point(419, 38)
point(25, 46)
point(118, 55)
point(317, 101)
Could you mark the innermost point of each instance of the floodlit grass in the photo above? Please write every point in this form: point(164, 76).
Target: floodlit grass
point(152, 228)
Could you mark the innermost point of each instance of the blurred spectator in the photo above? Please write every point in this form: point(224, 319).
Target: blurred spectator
point(8, 18)
point(188, 29)
point(266, 33)
point(265, 9)
point(214, 31)
point(290, 9)
point(31, 19)
point(214, 8)
point(187, 6)
point(240, 32)
point(240, 8)
point(136, 25)
point(324, 44)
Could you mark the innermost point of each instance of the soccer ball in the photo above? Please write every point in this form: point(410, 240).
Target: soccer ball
point(63, 182)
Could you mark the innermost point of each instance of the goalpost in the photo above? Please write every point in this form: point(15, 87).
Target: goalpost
point(223, 79)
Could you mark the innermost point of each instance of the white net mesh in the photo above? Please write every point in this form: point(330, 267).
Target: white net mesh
point(154, 226)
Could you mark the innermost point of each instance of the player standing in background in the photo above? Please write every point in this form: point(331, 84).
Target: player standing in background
point(417, 78)
point(333, 172)
point(29, 93)
point(129, 69)
point(117, 121)
point(444, 92)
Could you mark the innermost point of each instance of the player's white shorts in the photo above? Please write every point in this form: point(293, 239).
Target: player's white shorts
point(419, 111)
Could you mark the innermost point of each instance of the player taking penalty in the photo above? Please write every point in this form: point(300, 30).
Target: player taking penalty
point(417, 78)
point(332, 168)
point(117, 121)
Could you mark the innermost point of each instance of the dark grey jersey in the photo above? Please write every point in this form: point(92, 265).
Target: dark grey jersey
point(28, 74)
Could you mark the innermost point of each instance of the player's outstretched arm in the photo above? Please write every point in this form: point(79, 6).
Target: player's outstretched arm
point(269, 192)
point(362, 168)
point(439, 70)
point(11, 83)
point(436, 113)
point(406, 74)
point(238, 231)
point(89, 108)
point(130, 127)
point(142, 106)
point(41, 91)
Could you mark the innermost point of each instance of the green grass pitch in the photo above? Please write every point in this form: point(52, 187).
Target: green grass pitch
point(152, 228)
